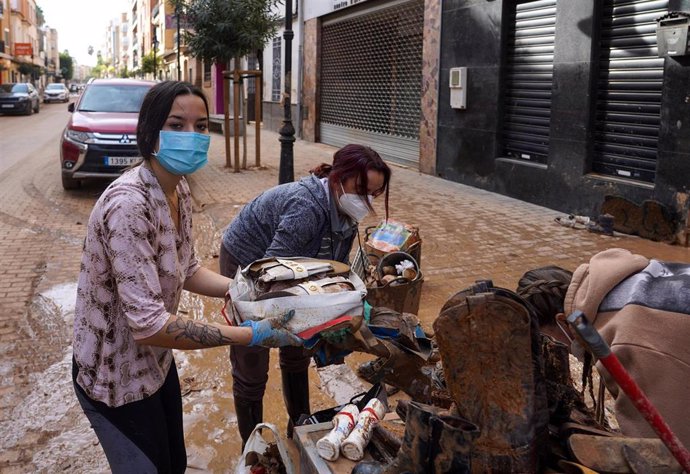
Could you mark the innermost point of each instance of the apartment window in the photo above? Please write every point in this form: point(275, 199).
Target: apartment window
point(277, 69)
point(207, 71)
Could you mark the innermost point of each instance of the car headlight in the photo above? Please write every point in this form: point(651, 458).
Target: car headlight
point(81, 137)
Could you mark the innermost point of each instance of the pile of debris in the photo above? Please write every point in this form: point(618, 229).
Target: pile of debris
point(490, 393)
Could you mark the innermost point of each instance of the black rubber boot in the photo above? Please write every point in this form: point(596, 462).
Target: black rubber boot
point(451, 444)
point(249, 414)
point(296, 396)
point(433, 444)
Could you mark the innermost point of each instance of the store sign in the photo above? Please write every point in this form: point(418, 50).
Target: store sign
point(171, 22)
point(23, 49)
point(340, 4)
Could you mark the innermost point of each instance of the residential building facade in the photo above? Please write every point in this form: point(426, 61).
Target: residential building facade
point(20, 58)
point(565, 101)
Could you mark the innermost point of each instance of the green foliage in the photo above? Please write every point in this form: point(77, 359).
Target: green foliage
point(224, 29)
point(25, 69)
point(147, 63)
point(66, 65)
point(98, 70)
point(40, 16)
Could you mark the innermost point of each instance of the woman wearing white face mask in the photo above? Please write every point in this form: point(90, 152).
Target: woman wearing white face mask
point(138, 256)
point(314, 217)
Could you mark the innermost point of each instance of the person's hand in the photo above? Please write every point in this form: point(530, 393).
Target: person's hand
point(272, 332)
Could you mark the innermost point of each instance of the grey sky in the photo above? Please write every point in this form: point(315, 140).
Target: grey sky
point(81, 23)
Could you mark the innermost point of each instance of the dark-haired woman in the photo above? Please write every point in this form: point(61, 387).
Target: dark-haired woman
point(314, 217)
point(138, 257)
point(641, 307)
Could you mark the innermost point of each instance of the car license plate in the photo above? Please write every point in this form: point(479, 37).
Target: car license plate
point(122, 160)
point(7, 106)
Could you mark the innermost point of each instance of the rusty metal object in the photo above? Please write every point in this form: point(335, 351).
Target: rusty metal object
point(638, 464)
point(605, 453)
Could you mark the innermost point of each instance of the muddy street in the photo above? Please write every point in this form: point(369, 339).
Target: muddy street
point(467, 234)
point(42, 428)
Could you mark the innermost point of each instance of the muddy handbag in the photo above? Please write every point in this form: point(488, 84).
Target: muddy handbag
point(316, 307)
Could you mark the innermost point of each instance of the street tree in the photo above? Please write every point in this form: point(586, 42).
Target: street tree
point(148, 63)
point(40, 16)
point(66, 65)
point(221, 30)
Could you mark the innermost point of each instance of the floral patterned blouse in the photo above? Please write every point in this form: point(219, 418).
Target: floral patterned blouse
point(133, 268)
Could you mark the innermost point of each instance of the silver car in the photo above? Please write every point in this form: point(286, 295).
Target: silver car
point(56, 92)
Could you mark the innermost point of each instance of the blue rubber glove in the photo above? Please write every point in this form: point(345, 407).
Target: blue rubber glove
point(271, 332)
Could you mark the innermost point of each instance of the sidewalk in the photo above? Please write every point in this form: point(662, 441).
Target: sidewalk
point(467, 233)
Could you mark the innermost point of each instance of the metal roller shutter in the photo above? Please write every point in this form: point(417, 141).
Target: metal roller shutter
point(371, 80)
point(629, 85)
point(528, 80)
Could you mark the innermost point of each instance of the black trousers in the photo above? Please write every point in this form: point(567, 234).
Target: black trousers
point(143, 436)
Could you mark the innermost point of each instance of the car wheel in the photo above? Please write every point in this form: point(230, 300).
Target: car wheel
point(29, 109)
point(69, 183)
point(38, 107)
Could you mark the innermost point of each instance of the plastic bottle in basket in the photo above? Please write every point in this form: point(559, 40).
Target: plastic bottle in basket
point(328, 447)
point(353, 447)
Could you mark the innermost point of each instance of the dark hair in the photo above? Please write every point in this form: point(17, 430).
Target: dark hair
point(356, 161)
point(155, 109)
point(544, 289)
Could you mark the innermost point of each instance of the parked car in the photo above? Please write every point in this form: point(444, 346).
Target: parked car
point(100, 139)
point(19, 98)
point(56, 92)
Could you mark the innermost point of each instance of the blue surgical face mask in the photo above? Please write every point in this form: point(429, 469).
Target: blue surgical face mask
point(182, 152)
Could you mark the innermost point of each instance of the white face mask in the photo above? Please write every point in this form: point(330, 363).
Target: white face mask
point(353, 205)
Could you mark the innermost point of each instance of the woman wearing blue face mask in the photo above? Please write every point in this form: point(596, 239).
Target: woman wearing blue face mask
point(314, 217)
point(138, 257)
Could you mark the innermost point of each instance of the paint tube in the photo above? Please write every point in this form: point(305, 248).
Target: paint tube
point(353, 446)
point(328, 447)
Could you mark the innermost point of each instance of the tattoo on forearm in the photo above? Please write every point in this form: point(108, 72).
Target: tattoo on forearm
point(200, 333)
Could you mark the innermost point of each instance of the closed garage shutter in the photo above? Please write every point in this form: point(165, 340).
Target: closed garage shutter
point(629, 88)
point(371, 80)
point(528, 80)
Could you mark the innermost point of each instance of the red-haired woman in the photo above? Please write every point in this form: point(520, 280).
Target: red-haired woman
point(316, 216)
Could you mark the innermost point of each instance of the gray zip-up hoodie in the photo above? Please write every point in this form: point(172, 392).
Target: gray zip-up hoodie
point(290, 220)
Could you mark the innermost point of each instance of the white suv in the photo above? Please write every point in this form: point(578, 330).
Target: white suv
point(56, 92)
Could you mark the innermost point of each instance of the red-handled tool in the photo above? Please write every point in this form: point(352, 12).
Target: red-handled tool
point(601, 350)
